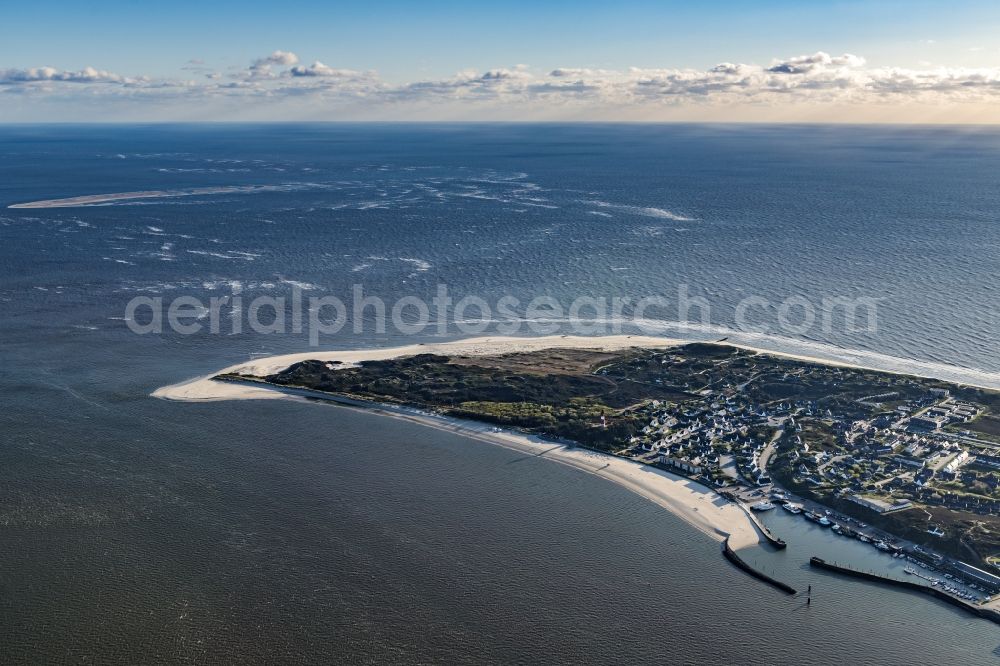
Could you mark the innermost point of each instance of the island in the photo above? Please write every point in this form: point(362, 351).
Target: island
point(915, 459)
point(716, 433)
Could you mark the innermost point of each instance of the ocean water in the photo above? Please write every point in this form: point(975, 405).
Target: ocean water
point(133, 529)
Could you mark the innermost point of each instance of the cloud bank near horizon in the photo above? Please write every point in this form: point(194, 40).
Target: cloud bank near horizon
point(279, 86)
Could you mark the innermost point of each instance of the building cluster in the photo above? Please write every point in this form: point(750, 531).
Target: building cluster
point(723, 430)
point(872, 461)
point(903, 452)
point(945, 412)
point(902, 444)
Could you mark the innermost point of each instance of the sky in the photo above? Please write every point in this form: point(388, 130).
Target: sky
point(726, 60)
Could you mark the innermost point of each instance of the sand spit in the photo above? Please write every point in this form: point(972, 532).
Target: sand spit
point(695, 504)
point(204, 388)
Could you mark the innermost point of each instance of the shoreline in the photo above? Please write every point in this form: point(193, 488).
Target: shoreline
point(697, 505)
point(692, 502)
point(687, 499)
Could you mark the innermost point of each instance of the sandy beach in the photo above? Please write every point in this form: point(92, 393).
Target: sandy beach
point(695, 504)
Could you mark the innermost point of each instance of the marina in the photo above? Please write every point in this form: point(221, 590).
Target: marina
point(934, 569)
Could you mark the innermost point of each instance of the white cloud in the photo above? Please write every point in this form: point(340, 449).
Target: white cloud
point(321, 70)
point(814, 80)
point(817, 61)
point(85, 75)
point(261, 67)
point(280, 58)
point(518, 73)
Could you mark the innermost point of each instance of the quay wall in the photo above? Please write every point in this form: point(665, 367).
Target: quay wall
point(768, 534)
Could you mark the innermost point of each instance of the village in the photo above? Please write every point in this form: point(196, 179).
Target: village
point(857, 462)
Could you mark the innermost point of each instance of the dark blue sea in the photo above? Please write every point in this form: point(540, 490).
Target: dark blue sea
point(136, 530)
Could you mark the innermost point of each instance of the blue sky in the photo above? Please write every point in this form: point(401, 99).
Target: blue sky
point(394, 45)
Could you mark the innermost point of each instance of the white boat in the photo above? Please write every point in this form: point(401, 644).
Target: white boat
point(762, 506)
point(793, 508)
point(824, 521)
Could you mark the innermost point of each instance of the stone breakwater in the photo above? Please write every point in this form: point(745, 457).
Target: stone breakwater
point(731, 555)
point(985, 613)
